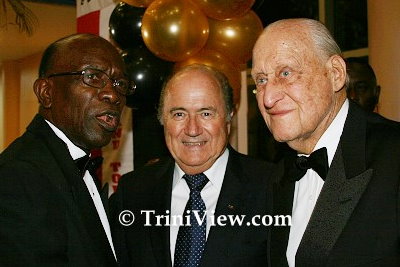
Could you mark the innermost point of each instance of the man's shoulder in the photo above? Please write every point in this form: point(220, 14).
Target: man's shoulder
point(147, 173)
point(25, 147)
point(249, 162)
point(251, 170)
point(29, 146)
point(382, 128)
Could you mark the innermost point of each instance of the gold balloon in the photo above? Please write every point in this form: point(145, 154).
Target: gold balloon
point(219, 62)
point(174, 29)
point(236, 37)
point(224, 9)
point(138, 3)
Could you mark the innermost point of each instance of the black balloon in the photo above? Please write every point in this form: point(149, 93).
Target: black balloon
point(125, 25)
point(149, 73)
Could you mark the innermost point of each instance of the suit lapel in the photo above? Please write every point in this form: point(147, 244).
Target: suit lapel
point(346, 181)
point(335, 204)
point(160, 236)
point(231, 201)
point(65, 176)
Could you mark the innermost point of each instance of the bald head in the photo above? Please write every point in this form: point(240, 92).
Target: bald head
point(59, 53)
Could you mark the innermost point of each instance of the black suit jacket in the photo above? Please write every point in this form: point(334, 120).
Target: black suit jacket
point(244, 192)
point(356, 218)
point(47, 217)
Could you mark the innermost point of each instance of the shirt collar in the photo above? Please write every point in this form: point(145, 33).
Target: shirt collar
point(215, 173)
point(331, 137)
point(75, 151)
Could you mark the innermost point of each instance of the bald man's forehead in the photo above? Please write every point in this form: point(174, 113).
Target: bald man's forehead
point(94, 52)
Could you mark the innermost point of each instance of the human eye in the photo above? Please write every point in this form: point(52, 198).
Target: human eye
point(95, 78)
point(206, 114)
point(178, 115)
point(121, 85)
point(285, 73)
point(93, 74)
point(260, 80)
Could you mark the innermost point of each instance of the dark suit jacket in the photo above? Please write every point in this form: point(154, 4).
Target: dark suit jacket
point(243, 192)
point(47, 217)
point(356, 219)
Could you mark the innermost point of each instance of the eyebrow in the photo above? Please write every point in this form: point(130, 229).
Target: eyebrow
point(176, 108)
point(184, 109)
point(208, 108)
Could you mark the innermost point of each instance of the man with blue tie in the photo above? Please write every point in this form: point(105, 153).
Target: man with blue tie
point(204, 175)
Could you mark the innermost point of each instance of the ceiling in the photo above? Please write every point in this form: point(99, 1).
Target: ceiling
point(55, 20)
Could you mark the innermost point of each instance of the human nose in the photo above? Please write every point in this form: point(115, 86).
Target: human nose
point(109, 94)
point(193, 126)
point(270, 94)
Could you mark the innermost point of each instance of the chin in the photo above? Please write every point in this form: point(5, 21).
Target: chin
point(194, 161)
point(282, 137)
point(99, 142)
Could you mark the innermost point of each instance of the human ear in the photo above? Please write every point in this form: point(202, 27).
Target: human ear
point(42, 88)
point(377, 92)
point(338, 71)
point(229, 122)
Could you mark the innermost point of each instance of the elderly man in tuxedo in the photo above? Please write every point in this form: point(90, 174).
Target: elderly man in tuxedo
point(51, 211)
point(205, 176)
point(343, 188)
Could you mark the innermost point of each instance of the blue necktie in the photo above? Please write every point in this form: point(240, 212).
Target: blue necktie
point(191, 239)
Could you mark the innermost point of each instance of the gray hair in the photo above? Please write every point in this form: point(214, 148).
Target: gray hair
point(222, 80)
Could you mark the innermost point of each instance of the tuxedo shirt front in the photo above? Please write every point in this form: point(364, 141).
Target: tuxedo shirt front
point(77, 153)
point(308, 188)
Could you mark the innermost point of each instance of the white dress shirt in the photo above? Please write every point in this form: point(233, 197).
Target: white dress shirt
point(307, 189)
point(77, 153)
point(210, 194)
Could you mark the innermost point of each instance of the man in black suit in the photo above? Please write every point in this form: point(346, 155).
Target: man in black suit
point(343, 190)
point(195, 109)
point(51, 213)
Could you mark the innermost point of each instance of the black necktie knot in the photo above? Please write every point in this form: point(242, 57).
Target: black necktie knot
point(318, 161)
point(196, 182)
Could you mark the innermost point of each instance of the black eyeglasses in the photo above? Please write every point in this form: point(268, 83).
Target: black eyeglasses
point(98, 79)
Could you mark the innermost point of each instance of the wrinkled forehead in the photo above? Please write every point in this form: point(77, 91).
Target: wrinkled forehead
point(277, 46)
point(194, 87)
point(284, 37)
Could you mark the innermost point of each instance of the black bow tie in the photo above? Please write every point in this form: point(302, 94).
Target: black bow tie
point(90, 164)
point(318, 161)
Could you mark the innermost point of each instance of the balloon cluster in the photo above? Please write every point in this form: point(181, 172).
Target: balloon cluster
point(160, 36)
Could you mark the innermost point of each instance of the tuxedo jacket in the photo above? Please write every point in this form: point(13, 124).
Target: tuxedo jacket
point(243, 192)
point(355, 221)
point(47, 217)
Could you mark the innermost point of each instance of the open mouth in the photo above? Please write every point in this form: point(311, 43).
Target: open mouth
point(194, 143)
point(109, 121)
